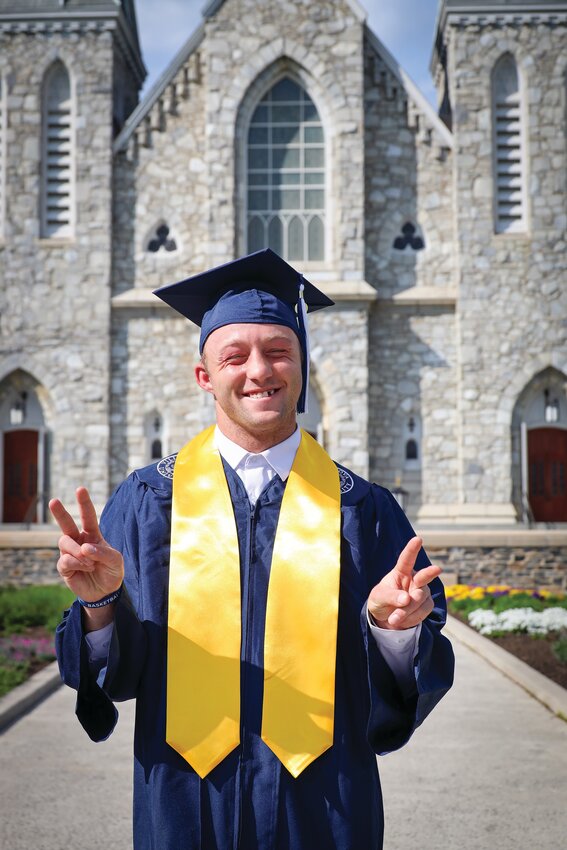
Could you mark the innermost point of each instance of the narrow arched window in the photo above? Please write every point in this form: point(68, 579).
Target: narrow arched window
point(412, 442)
point(286, 175)
point(154, 431)
point(411, 450)
point(57, 154)
point(508, 153)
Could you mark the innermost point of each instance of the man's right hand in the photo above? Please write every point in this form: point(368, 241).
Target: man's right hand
point(87, 564)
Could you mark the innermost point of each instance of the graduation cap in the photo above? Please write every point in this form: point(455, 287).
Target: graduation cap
point(260, 288)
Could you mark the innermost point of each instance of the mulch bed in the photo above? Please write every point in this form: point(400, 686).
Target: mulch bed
point(537, 652)
point(533, 650)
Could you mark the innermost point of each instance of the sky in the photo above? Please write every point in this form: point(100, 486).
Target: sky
point(406, 27)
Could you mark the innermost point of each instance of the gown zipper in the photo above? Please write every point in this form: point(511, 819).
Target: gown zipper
point(246, 606)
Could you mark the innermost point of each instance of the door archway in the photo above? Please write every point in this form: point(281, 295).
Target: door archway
point(23, 451)
point(539, 448)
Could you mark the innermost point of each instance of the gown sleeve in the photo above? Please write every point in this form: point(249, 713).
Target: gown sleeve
point(119, 677)
point(395, 715)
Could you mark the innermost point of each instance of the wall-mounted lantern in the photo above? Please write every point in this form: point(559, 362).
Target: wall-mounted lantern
point(551, 407)
point(18, 409)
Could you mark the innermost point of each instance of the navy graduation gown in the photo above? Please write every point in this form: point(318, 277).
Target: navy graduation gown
point(250, 801)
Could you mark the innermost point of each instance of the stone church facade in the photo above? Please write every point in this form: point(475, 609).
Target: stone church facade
point(441, 236)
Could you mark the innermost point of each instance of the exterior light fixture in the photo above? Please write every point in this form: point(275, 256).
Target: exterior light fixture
point(551, 408)
point(18, 409)
point(400, 495)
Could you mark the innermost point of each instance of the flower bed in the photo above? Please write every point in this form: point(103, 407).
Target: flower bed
point(23, 655)
point(532, 624)
point(28, 616)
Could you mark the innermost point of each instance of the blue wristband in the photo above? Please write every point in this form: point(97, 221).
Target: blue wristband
point(100, 603)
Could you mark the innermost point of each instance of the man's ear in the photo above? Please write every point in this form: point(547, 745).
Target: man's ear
point(202, 377)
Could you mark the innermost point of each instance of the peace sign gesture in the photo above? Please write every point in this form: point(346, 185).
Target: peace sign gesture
point(403, 599)
point(87, 564)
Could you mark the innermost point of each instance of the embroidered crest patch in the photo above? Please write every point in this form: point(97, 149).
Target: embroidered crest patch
point(165, 466)
point(346, 481)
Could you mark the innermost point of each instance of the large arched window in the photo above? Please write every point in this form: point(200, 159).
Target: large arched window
point(508, 142)
point(286, 175)
point(57, 154)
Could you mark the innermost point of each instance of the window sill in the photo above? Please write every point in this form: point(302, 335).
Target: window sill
point(56, 242)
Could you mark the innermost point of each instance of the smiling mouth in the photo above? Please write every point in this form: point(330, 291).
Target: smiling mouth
point(265, 394)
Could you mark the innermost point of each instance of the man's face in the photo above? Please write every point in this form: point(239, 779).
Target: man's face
point(254, 373)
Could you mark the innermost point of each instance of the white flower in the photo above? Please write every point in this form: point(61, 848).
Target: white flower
point(519, 620)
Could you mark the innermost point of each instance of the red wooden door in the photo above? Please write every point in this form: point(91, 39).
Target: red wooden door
point(547, 472)
point(20, 476)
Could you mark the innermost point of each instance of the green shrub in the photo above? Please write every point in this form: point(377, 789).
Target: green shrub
point(559, 648)
point(12, 676)
point(34, 605)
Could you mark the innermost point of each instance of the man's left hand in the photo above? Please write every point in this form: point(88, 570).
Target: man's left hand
point(403, 599)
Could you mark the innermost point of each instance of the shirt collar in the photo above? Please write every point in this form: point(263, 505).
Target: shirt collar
point(280, 457)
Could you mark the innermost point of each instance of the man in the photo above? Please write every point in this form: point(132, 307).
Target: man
point(272, 613)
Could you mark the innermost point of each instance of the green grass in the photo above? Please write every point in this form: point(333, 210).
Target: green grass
point(22, 608)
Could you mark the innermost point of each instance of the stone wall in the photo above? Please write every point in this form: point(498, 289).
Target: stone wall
point(246, 43)
point(159, 178)
point(20, 567)
point(412, 369)
point(153, 355)
point(408, 179)
point(54, 297)
point(339, 353)
point(518, 566)
point(522, 567)
point(412, 352)
point(153, 358)
point(184, 166)
point(512, 297)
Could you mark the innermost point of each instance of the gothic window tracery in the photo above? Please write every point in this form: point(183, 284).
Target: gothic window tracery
point(162, 240)
point(409, 238)
point(286, 175)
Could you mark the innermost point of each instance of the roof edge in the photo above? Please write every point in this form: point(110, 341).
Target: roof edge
point(450, 10)
point(154, 94)
point(110, 17)
point(210, 8)
point(411, 88)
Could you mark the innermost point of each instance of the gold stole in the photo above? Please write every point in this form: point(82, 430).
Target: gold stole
point(204, 622)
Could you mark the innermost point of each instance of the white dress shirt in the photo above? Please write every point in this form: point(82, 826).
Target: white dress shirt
point(256, 470)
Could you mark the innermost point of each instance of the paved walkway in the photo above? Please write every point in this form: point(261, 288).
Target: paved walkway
point(488, 771)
